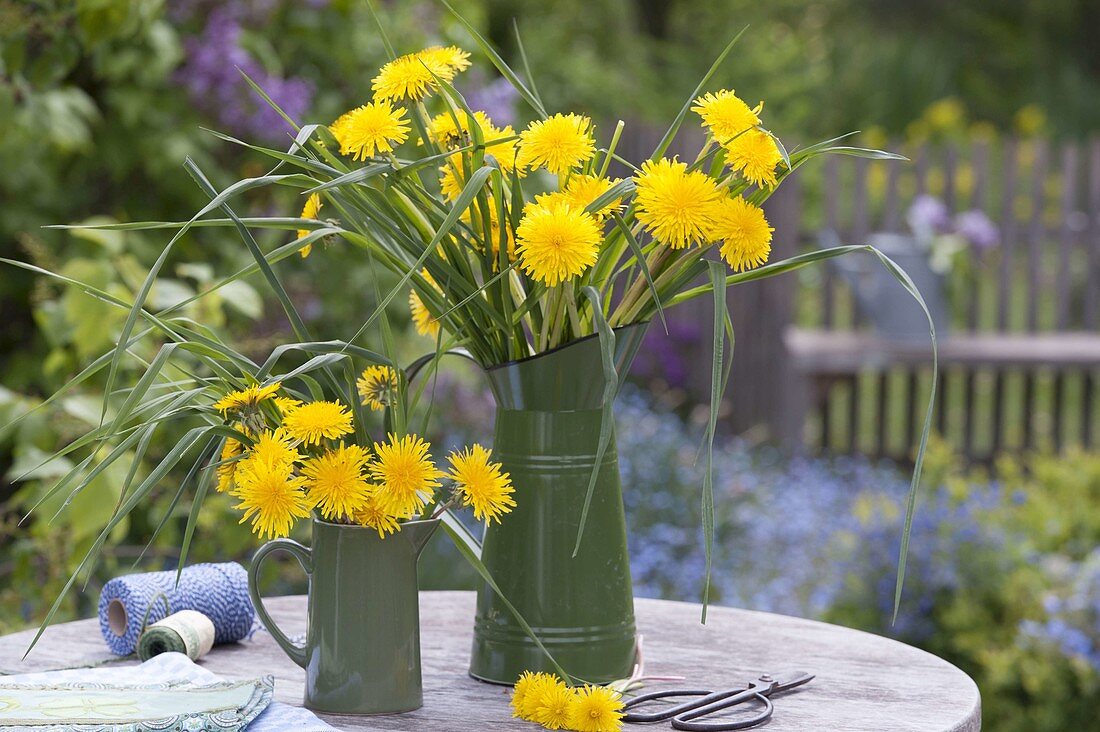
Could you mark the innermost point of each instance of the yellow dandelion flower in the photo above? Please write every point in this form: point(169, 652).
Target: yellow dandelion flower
point(503, 145)
point(423, 320)
point(374, 515)
point(557, 242)
point(309, 211)
point(287, 404)
point(582, 190)
point(756, 156)
point(453, 130)
point(404, 472)
point(451, 181)
point(451, 58)
point(377, 387)
point(335, 482)
point(596, 709)
point(375, 127)
point(472, 217)
point(745, 234)
point(246, 398)
point(271, 496)
point(675, 205)
point(317, 421)
point(412, 77)
point(274, 447)
point(482, 483)
point(555, 704)
point(228, 466)
point(520, 691)
point(559, 143)
point(725, 114)
point(528, 692)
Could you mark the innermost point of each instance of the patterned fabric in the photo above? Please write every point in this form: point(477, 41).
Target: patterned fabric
point(129, 702)
point(218, 591)
point(177, 672)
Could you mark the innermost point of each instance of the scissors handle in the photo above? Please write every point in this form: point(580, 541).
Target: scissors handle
point(667, 712)
point(686, 721)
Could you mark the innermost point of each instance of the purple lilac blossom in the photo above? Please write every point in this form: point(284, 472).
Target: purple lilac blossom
point(928, 215)
point(212, 77)
point(978, 229)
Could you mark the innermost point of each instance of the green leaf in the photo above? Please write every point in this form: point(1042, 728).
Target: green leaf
point(911, 501)
point(717, 273)
point(636, 250)
point(607, 407)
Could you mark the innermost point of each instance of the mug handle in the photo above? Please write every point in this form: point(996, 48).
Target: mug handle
point(305, 558)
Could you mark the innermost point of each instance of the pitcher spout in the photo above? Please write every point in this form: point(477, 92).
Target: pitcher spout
point(417, 533)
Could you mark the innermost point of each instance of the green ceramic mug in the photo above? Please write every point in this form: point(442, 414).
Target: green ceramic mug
point(362, 647)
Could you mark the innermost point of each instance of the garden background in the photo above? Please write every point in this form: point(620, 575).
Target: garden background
point(101, 101)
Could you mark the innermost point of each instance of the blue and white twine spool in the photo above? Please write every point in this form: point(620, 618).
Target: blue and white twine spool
point(219, 591)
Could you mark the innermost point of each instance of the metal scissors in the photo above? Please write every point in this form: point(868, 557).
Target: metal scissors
point(685, 714)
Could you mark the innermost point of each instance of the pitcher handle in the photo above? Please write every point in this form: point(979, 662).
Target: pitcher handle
point(305, 559)
point(415, 367)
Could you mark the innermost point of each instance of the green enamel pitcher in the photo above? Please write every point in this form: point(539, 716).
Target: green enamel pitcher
point(362, 647)
point(547, 431)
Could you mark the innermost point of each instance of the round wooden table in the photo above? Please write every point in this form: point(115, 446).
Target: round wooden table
point(864, 681)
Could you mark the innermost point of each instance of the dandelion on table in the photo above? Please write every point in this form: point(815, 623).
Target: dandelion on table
point(527, 693)
point(596, 709)
point(555, 706)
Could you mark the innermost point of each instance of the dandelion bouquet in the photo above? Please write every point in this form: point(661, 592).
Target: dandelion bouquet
point(506, 243)
point(294, 457)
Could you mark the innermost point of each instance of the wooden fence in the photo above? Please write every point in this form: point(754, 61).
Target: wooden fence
point(1021, 363)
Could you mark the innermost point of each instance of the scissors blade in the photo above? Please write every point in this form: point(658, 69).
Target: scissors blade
point(787, 681)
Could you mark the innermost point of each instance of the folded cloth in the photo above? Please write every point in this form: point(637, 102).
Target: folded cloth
point(243, 705)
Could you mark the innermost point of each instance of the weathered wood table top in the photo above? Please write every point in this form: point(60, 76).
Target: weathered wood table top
point(864, 682)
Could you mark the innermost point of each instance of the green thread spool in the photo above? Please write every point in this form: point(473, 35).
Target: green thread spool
point(188, 632)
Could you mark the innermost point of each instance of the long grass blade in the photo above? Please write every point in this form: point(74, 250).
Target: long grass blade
point(607, 408)
point(717, 277)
